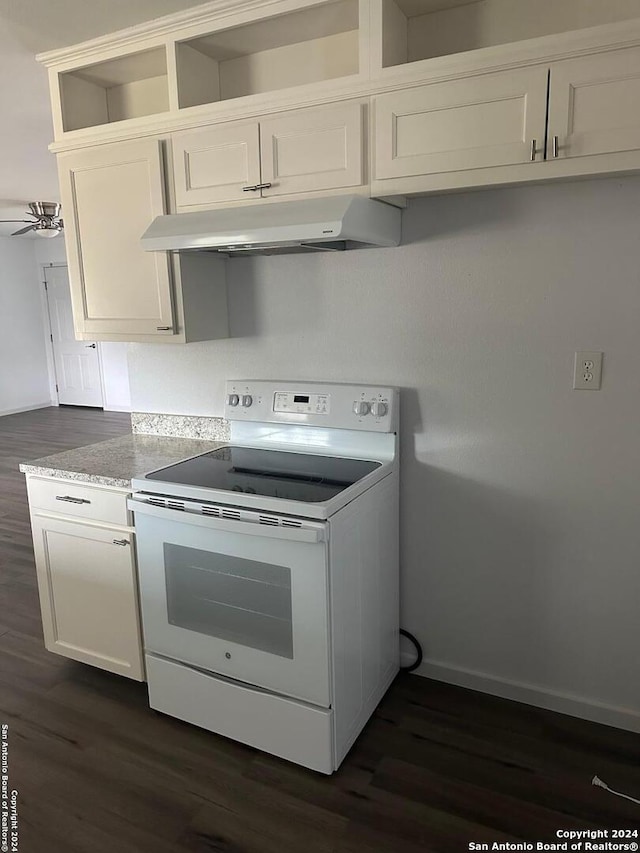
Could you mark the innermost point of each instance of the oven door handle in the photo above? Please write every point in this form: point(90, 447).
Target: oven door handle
point(311, 532)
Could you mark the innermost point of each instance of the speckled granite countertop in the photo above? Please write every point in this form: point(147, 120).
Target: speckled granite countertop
point(117, 461)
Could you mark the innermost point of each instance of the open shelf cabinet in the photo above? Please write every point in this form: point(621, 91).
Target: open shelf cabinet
point(294, 49)
point(414, 30)
point(129, 86)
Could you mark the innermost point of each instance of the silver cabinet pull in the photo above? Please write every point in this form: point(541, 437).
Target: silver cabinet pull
point(555, 146)
point(72, 500)
point(255, 188)
point(534, 149)
point(120, 541)
point(164, 328)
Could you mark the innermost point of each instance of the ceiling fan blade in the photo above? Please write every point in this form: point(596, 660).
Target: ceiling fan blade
point(23, 230)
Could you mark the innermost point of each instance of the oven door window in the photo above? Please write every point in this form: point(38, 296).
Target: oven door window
point(238, 600)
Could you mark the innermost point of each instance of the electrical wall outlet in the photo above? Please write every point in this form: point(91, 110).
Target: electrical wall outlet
point(587, 371)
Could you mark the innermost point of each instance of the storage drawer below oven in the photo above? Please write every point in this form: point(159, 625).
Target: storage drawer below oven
point(283, 727)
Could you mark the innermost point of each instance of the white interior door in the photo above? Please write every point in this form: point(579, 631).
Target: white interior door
point(77, 363)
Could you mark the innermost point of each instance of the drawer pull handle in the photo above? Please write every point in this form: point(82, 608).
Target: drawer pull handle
point(555, 146)
point(120, 541)
point(164, 328)
point(72, 500)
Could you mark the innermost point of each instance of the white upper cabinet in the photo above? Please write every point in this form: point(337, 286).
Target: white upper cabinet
point(594, 105)
point(214, 165)
point(473, 123)
point(270, 53)
point(288, 154)
point(572, 117)
point(110, 196)
point(267, 99)
point(312, 150)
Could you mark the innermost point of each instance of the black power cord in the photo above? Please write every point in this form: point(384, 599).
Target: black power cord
point(418, 659)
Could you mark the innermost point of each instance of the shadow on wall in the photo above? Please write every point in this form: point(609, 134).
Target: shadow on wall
point(478, 558)
point(444, 216)
point(243, 294)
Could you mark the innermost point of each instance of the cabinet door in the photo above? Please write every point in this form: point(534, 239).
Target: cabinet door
point(214, 165)
point(473, 123)
point(310, 150)
point(110, 195)
point(88, 594)
point(593, 104)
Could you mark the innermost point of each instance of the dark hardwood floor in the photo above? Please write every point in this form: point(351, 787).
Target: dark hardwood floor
point(437, 767)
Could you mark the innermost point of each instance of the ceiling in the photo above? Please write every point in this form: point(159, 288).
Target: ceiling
point(27, 27)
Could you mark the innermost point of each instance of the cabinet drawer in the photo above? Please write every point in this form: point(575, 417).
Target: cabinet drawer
point(280, 726)
point(78, 500)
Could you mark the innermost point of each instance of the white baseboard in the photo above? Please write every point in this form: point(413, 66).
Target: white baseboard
point(540, 697)
point(117, 408)
point(26, 409)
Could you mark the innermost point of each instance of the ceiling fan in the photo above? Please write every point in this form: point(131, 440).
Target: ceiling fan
point(46, 220)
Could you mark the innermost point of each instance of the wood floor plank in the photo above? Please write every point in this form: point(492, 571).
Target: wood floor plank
point(437, 767)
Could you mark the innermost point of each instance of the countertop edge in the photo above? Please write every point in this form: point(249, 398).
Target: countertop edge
point(76, 476)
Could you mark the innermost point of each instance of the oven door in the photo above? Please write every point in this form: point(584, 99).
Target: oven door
point(244, 599)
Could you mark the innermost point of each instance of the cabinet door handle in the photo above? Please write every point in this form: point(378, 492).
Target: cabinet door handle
point(72, 500)
point(120, 541)
point(555, 147)
point(89, 346)
point(255, 187)
point(164, 328)
point(534, 149)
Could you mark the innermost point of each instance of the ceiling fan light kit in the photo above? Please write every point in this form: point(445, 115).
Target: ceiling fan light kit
point(46, 220)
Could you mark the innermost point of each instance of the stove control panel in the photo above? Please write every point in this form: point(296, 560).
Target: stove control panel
point(301, 404)
point(338, 406)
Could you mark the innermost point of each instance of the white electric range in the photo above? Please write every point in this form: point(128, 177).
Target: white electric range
point(269, 570)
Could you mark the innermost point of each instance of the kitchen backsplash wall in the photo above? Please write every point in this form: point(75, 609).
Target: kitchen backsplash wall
point(520, 496)
point(180, 426)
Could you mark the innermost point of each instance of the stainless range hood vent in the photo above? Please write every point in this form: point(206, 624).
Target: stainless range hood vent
point(327, 224)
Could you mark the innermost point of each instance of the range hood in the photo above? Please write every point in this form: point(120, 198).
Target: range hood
point(321, 224)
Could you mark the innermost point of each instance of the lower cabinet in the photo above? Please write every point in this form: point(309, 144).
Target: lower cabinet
point(88, 592)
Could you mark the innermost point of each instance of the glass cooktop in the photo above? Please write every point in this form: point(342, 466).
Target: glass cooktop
point(270, 473)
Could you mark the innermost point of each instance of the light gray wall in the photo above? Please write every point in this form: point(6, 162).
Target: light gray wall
point(24, 380)
point(520, 496)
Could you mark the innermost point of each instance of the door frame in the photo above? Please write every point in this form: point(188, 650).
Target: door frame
point(48, 334)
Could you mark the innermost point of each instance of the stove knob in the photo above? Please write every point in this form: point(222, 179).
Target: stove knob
point(360, 407)
point(247, 400)
point(379, 410)
point(233, 399)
